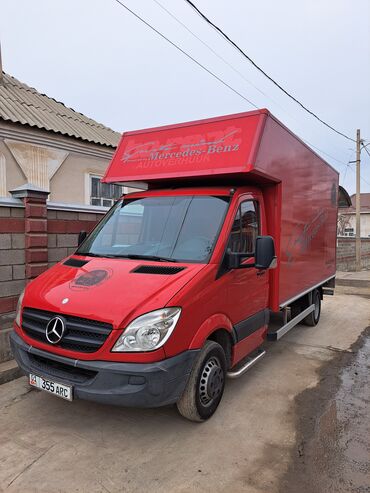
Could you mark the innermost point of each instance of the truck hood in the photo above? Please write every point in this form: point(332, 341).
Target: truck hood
point(109, 290)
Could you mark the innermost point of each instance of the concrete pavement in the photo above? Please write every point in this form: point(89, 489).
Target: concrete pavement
point(50, 445)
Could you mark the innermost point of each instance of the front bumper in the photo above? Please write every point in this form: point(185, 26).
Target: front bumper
point(123, 384)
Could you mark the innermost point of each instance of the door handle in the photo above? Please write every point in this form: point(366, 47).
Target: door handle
point(261, 273)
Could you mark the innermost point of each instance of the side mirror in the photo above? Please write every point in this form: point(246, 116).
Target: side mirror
point(265, 257)
point(81, 237)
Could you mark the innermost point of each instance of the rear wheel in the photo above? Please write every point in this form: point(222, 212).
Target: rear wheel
point(312, 298)
point(206, 383)
point(313, 318)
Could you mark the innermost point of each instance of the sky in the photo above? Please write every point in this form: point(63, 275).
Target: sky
point(98, 59)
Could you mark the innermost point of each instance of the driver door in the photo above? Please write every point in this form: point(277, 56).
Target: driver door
point(247, 287)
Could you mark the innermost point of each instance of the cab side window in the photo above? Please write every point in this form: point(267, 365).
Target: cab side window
point(245, 228)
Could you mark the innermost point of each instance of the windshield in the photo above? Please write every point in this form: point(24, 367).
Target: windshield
point(179, 228)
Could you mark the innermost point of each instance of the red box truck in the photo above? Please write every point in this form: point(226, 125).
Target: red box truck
point(172, 291)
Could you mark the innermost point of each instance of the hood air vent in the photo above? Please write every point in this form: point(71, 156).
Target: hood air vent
point(157, 269)
point(75, 262)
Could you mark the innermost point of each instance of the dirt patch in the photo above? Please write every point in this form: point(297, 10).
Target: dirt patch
point(332, 452)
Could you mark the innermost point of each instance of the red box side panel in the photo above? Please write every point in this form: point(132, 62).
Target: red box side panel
point(309, 188)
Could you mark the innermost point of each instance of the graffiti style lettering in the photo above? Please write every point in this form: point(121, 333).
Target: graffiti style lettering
point(304, 240)
point(151, 151)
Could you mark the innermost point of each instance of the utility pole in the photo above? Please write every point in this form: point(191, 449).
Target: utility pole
point(358, 202)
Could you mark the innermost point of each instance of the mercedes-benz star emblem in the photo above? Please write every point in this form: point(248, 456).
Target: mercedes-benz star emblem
point(55, 330)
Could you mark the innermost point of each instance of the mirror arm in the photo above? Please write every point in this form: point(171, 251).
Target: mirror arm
point(244, 256)
point(81, 237)
point(246, 266)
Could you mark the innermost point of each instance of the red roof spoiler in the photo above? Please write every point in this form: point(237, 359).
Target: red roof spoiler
point(220, 146)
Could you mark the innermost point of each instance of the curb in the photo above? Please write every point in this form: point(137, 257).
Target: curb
point(356, 283)
point(9, 371)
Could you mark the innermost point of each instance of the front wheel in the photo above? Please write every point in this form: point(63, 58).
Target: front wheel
point(206, 383)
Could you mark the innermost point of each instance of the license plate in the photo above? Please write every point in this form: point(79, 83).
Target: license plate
point(63, 391)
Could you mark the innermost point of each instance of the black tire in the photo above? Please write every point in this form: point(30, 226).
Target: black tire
point(313, 318)
point(206, 384)
point(295, 310)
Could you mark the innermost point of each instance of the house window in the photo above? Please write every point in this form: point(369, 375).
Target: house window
point(104, 194)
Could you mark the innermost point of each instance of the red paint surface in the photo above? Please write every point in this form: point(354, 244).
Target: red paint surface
point(303, 219)
point(249, 344)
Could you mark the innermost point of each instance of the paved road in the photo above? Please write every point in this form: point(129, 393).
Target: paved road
point(49, 445)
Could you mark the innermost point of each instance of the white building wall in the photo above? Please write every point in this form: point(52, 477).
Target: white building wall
point(351, 224)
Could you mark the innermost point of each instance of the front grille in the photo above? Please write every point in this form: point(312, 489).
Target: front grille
point(81, 334)
point(60, 370)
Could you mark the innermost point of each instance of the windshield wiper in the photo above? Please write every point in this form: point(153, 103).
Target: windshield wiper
point(155, 258)
point(99, 255)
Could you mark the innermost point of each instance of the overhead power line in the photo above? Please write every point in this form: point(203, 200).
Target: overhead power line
point(185, 53)
point(220, 57)
point(366, 150)
point(241, 75)
point(361, 177)
point(220, 31)
point(205, 68)
point(350, 157)
point(324, 152)
point(345, 174)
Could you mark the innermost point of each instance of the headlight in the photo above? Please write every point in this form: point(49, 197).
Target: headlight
point(19, 309)
point(149, 331)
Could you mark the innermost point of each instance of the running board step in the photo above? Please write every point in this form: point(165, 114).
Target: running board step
point(249, 363)
point(278, 334)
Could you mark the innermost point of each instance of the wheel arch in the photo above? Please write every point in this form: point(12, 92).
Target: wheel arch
point(306, 299)
point(217, 328)
point(225, 340)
